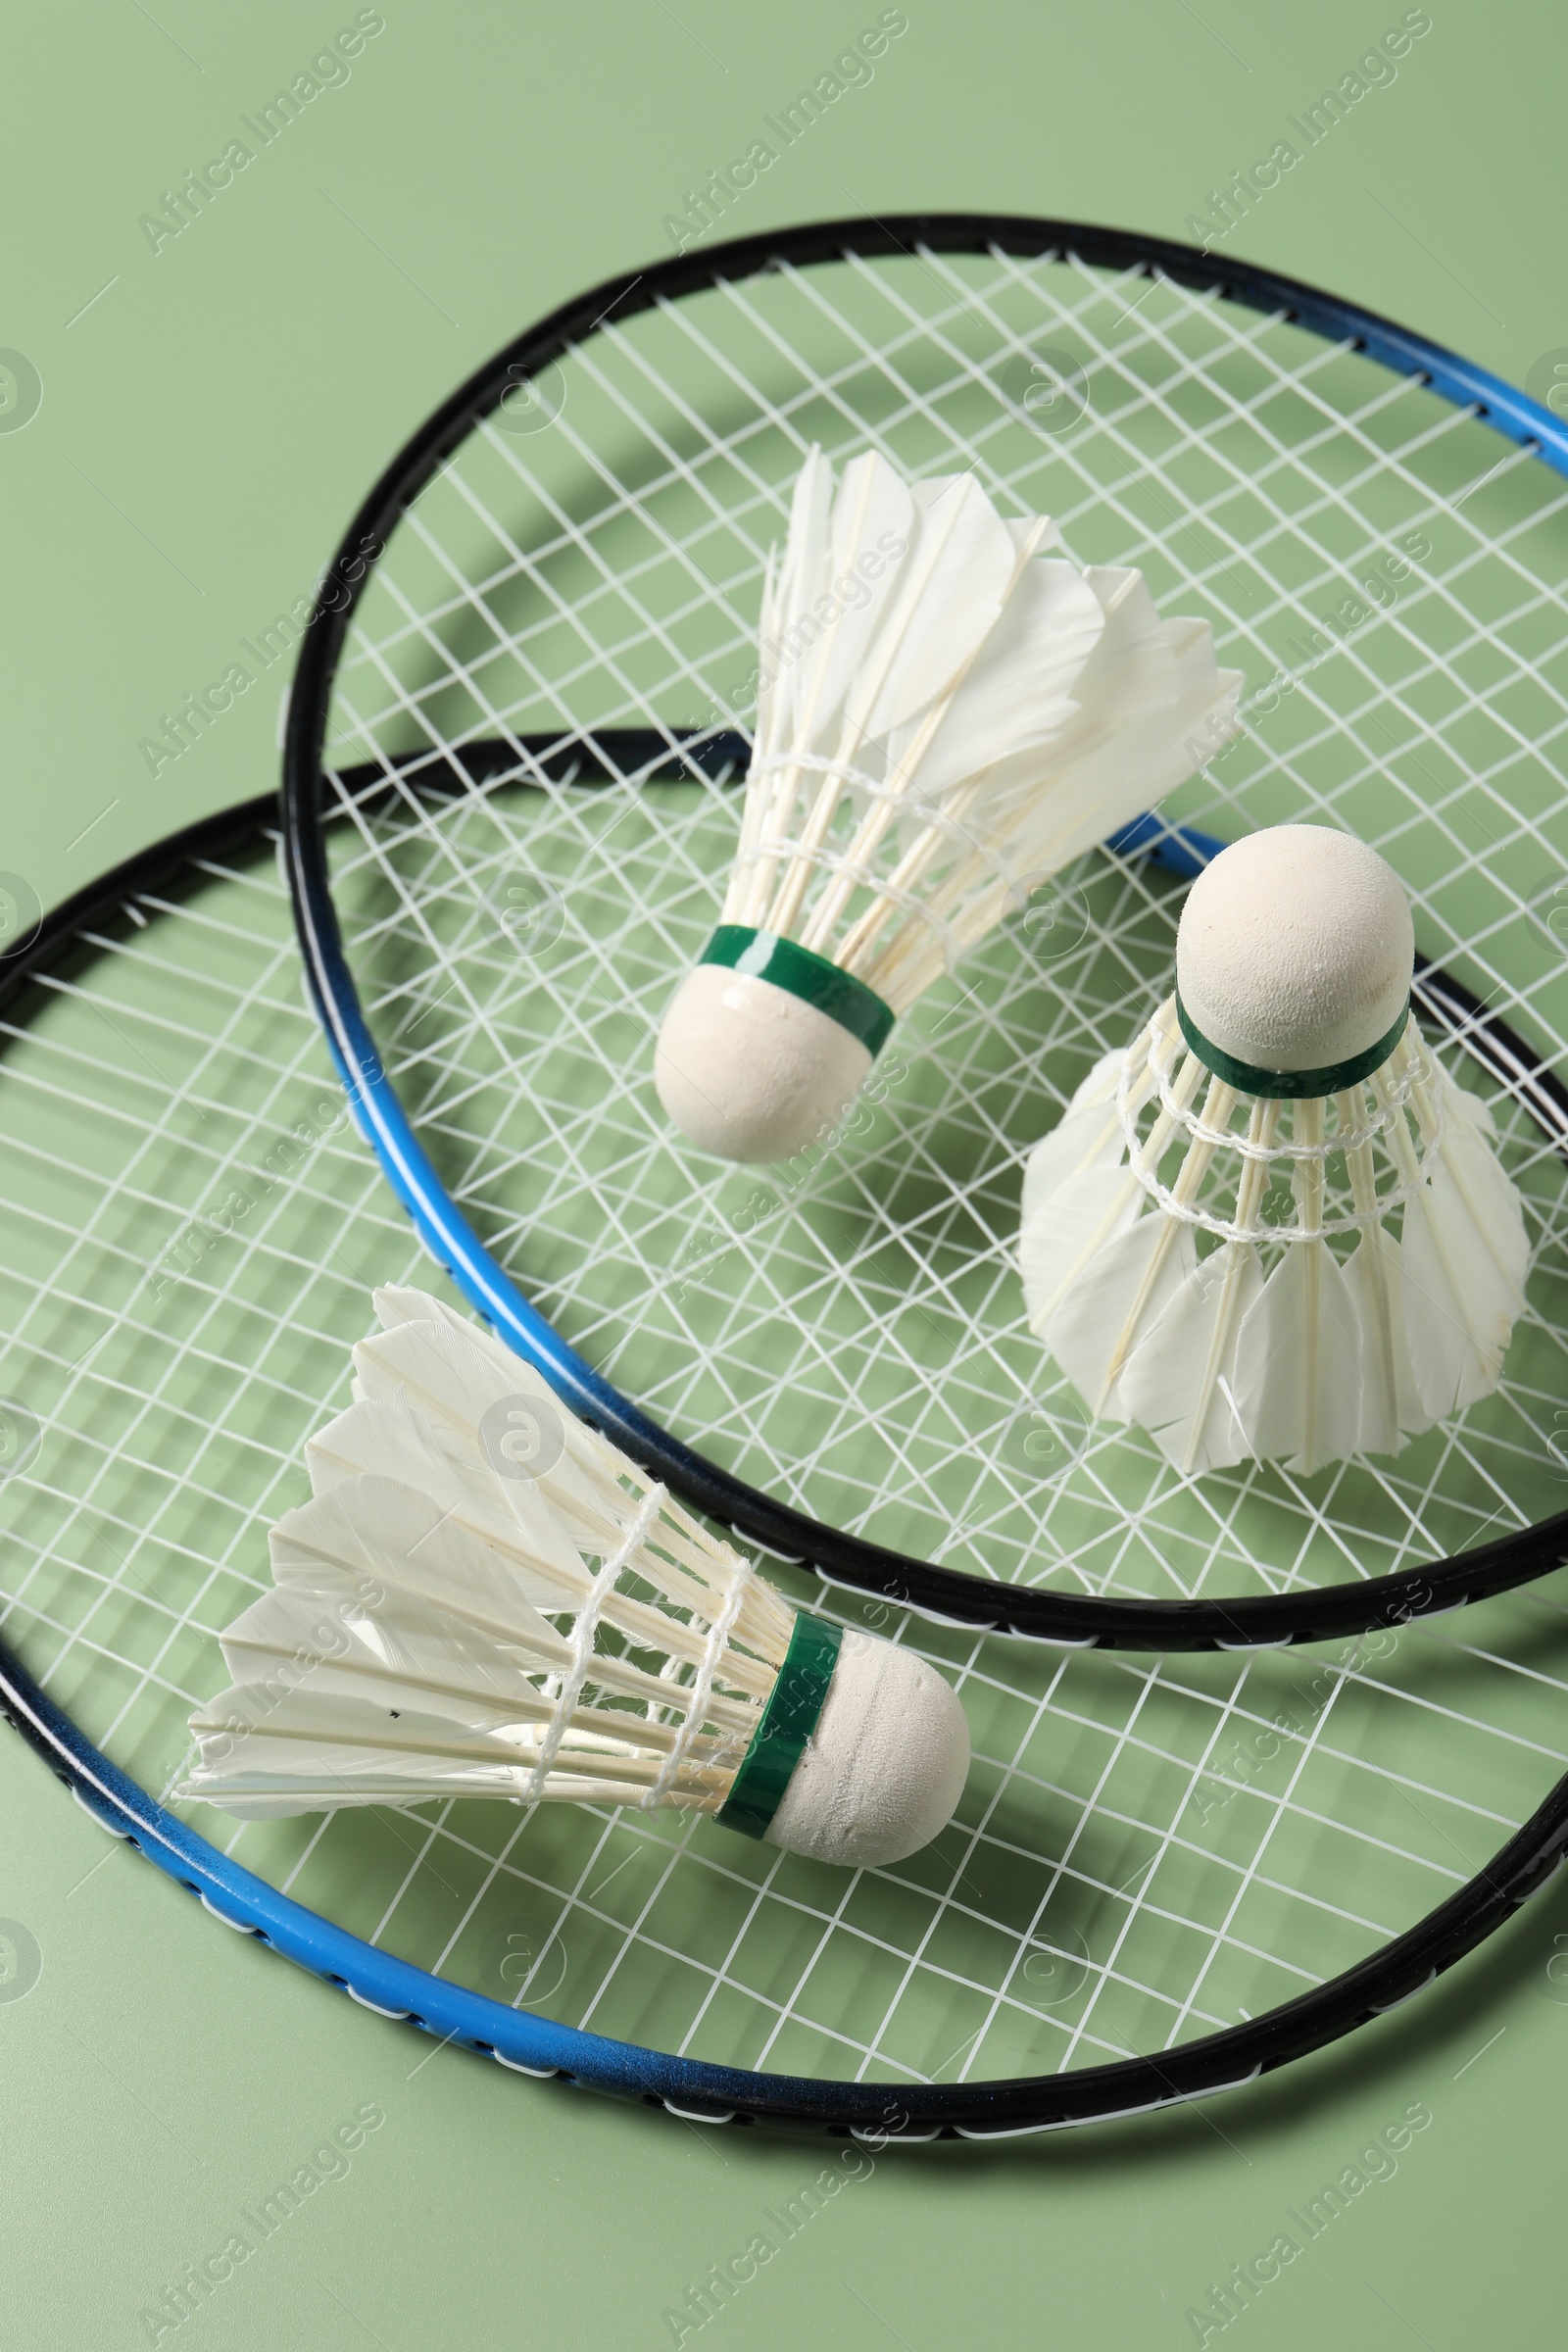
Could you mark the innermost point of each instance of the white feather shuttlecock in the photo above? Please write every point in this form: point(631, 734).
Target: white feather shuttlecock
point(436, 1629)
point(947, 715)
point(1273, 1227)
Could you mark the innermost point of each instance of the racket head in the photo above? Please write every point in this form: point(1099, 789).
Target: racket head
point(527, 688)
point(1164, 1876)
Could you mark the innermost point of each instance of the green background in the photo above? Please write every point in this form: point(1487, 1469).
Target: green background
point(208, 422)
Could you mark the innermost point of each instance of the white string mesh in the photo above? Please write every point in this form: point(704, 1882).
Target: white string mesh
point(1148, 1849)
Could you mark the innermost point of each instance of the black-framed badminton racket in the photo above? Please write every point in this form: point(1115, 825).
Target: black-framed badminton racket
point(1164, 1876)
point(528, 694)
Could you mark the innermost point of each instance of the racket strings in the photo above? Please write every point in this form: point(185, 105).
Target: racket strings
point(145, 1412)
point(1356, 437)
point(1103, 1999)
point(1333, 419)
point(710, 1252)
point(1494, 643)
point(1337, 422)
point(1146, 1851)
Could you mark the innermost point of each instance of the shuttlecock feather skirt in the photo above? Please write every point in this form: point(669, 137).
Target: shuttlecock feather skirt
point(949, 712)
point(484, 1599)
point(1258, 1277)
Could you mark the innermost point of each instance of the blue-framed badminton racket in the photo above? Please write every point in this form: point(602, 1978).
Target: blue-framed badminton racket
point(1167, 1873)
point(526, 693)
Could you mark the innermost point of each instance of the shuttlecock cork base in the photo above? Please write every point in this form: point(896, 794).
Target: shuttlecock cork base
point(1293, 964)
point(1274, 1227)
point(832, 1773)
point(436, 1629)
point(947, 715)
point(765, 1046)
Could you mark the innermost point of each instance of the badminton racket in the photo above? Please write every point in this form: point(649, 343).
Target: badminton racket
point(527, 700)
point(1166, 1875)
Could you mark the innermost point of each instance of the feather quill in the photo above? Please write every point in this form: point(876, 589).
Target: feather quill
point(1011, 709)
point(1181, 1382)
point(1298, 1363)
point(434, 1629)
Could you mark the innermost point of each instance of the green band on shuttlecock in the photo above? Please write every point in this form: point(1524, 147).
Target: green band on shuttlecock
point(803, 973)
point(1291, 1086)
point(788, 1719)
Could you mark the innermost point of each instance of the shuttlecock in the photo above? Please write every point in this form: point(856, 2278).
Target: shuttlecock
point(1241, 1293)
point(945, 717)
point(436, 1629)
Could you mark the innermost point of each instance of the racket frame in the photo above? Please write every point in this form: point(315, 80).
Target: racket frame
point(880, 2114)
point(949, 1596)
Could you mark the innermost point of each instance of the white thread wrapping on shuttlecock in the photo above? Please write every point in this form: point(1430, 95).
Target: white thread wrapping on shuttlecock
point(893, 789)
point(824, 857)
point(582, 1634)
point(414, 1691)
point(1134, 1092)
point(699, 1690)
point(999, 684)
point(1265, 1349)
point(1018, 711)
